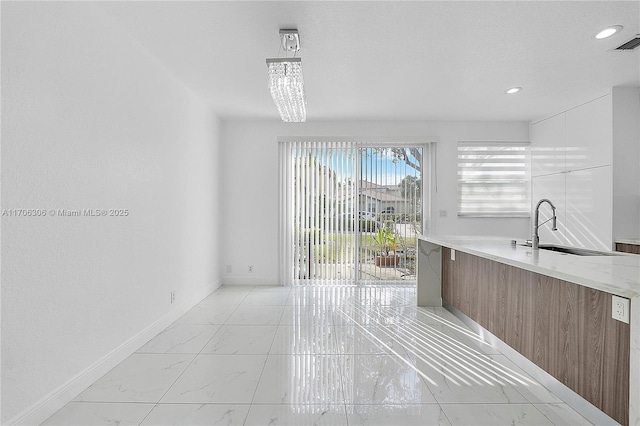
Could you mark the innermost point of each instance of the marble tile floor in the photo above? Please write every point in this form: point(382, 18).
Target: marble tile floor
point(316, 356)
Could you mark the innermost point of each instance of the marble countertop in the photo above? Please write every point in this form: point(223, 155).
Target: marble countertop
point(613, 274)
point(628, 241)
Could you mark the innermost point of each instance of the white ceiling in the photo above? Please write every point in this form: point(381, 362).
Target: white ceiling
point(394, 60)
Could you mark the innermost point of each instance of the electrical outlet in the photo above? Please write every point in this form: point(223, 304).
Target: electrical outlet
point(173, 297)
point(229, 269)
point(443, 213)
point(250, 268)
point(620, 308)
point(453, 254)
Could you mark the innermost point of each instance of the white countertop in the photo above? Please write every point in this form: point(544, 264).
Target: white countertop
point(628, 241)
point(613, 274)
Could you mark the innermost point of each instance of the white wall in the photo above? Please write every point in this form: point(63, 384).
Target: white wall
point(91, 121)
point(626, 157)
point(249, 192)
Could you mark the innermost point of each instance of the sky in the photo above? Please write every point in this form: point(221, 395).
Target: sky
point(377, 167)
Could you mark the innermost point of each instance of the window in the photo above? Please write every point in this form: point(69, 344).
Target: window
point(493, 179)
point(329, 193)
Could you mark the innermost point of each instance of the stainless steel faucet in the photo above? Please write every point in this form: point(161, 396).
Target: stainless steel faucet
point(535, 240)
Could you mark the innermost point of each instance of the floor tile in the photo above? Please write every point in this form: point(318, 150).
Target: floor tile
point(310, 339)
point(266, 298)
point(196, 414)
point(99, 413)
point(207, 314)
point(382, 379)
point(562, 414)
point(525, 384)
point(139, 378)
point(218, 378)
point(255, 315)
point(439, 316)
point(455, 375)
point(242, 340)
point(180, 339)
point(354, 339)
point(394, 415)
point(303, 316)
point(300, 379)
point(296, 415)
point(332, 355)
point(227, 298)
point(494, 414)
point(244, 288)
point(271, 288)
point(443, 340)
point(462, 335)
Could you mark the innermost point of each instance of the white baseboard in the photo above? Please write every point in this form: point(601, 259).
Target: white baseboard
point(42, 409)
point(246, 280)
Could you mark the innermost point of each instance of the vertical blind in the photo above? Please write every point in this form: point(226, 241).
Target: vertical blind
point(493, 179)
point(317, 211)
point(349, 211)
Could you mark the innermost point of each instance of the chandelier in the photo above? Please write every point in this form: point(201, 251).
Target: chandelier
point(286, 83)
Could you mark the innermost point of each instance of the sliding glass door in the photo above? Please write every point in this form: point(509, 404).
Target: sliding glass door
point(350, 212)
point(390, 211)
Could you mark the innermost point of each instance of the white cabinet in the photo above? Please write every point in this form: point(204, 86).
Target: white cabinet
point(583, 207)
point(589, 208)
point(551, 187)
point(573, 140)
point(548, 151)
point(577, 173)
point(588, 134)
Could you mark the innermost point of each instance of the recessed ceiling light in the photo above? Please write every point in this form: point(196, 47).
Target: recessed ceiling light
point(513, 90)
point(608, 32)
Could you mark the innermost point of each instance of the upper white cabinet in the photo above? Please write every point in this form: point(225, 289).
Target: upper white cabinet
point(588, 135)
point(586, 160)
point(548, 147)
point(573, 140)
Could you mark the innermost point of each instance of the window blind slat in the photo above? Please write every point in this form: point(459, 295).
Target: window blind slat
point(493, 179)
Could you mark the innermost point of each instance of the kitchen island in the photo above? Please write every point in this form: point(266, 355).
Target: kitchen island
point(628, 245)
point(554, 309)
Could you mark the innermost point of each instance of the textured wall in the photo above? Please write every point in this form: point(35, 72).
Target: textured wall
point(91, 121)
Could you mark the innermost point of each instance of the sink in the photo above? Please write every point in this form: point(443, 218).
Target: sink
point(576, 251)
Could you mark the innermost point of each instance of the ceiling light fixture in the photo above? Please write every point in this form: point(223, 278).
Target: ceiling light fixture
point(286, 83)
point(513, 90)
point(608, 32)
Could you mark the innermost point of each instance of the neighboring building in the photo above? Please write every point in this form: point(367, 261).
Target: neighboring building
point(374, 198)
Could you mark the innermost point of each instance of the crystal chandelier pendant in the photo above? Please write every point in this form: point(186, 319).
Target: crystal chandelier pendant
point(286, 85)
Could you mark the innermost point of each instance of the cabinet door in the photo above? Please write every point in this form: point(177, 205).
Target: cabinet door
point(589, 208)
point(548, 146)
point(552, 188)
point(589, 134)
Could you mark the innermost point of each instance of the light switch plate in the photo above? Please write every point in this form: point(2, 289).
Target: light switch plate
point(620, 308)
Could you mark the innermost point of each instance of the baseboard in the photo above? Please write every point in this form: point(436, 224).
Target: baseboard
point(42, 409)
point(251, 281)
point(566, 394)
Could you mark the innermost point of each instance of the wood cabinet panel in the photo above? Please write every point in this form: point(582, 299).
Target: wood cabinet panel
point(628, 248)
point(564, 328)
point(519, 318)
